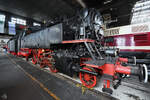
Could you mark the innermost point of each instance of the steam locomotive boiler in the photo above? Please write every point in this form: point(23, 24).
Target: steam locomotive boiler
point(74, 46)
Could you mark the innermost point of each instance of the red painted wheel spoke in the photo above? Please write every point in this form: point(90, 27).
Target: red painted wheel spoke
point(92, 81)
point(34, 58)
point(46, 62)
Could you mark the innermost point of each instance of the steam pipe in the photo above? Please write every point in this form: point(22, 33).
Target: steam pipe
point(140, 61)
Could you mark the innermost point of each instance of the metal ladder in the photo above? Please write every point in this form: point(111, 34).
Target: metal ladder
point(91, 47)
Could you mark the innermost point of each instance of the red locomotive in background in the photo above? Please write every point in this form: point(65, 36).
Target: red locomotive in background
point(132, 40)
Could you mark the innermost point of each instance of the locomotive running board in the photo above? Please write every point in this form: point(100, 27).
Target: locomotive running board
point(77, 41)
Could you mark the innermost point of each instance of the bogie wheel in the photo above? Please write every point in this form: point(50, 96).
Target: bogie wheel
point(88, 80)
point(47, 63)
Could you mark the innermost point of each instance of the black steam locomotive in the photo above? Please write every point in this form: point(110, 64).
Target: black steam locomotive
point(75, 45)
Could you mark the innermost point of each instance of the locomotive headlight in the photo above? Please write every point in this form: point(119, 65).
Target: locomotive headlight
point(43, 50)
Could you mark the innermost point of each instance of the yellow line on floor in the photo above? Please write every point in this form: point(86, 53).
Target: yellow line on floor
point(34, 79)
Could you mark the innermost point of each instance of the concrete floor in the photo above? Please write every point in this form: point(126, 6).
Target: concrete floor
point(21, 81)
point(17, 85)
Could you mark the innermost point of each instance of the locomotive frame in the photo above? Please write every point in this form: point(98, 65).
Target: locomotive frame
point(89, 69)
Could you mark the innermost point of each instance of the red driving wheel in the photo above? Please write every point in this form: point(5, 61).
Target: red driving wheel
point(52, 68)
point(27, 58)
point(88, 80)
point(34, 59)
point(46, 62)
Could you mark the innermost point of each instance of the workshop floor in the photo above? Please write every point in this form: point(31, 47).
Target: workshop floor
point(20, 80)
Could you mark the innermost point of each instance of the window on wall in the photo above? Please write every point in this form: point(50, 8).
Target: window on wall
point(2, 23)
point(141, 12)
point(2, 17)
point(36, 24)
point(18, 21)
